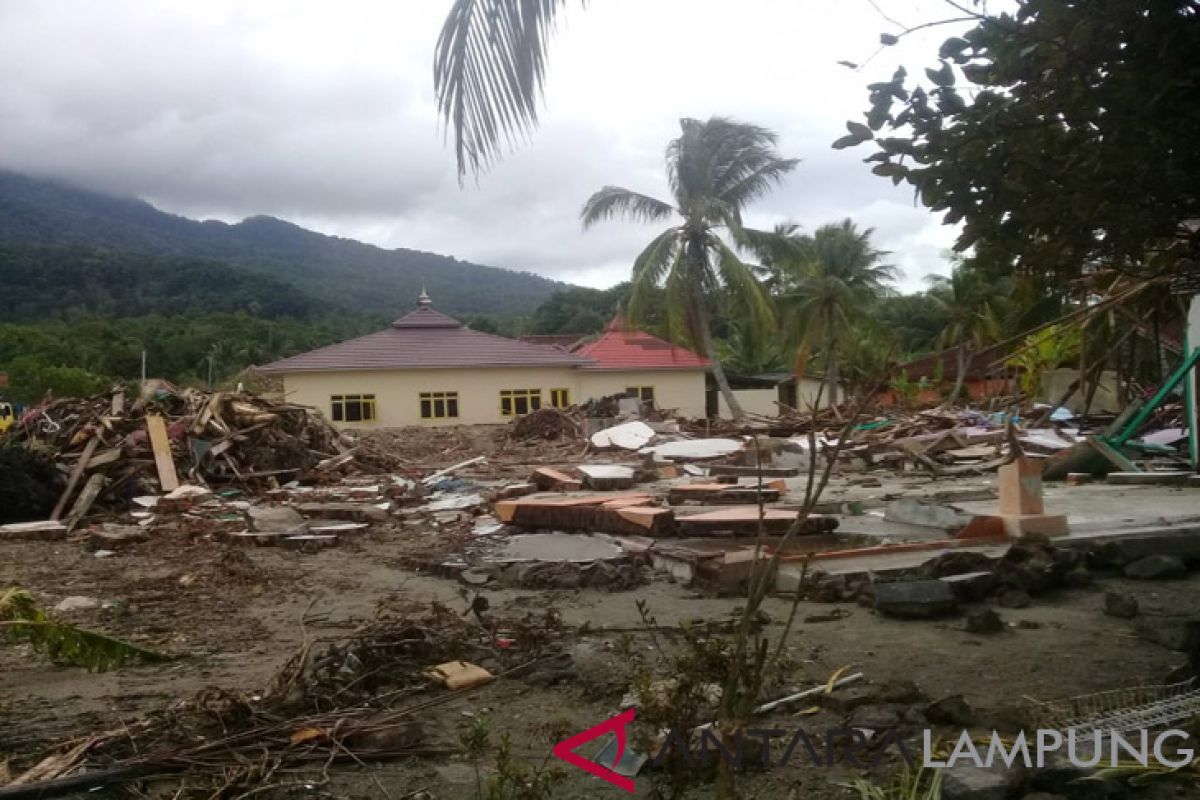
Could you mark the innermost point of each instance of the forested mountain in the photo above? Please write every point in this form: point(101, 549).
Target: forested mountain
point(48, 282)
point(341, 272)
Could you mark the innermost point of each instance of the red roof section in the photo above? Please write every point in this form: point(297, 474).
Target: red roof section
point(426, 338)
point(620, 347)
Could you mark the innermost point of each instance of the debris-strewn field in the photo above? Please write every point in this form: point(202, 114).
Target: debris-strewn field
point(426, 613)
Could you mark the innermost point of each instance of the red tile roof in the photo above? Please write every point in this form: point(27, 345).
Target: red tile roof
point(426, 338)
point(620, 347)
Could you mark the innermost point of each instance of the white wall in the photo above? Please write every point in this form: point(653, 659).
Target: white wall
point(679, 389)
point(1107, 399)
point(753, 401)
point(397, 392)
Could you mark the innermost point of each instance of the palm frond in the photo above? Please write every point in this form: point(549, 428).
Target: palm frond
point(24, 620)
point(756, 180)
point(613, 201)
point(777, 246)
point(739, 280)
point(659, 259)
point(488, 73)
point(709, 158)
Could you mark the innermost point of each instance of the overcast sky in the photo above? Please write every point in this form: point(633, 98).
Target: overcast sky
point(322, 113)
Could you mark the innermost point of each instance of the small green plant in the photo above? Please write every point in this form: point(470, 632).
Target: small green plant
point(24, 620)
point(905, 388)
point(1045, 350)
point(513, 779)
point(908, 784)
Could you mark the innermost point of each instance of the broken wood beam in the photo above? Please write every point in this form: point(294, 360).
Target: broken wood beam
point(91, 490)
point(160, 444)
point(76, 474)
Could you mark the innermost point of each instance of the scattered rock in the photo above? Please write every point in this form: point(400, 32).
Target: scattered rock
point(1015, 598)
point(951, 710)
point(968, 782)
point(1029, 625)
point(985, 622)
point(915, 599)
point(274, 519)
point(957, 563)
point(1034, 565)
point(1156, 567)
point(1120, 605)
point(971, 587)
point(76, 603)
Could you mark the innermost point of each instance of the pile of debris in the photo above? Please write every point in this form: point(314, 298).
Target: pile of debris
point(110, 449)
point(549, 423)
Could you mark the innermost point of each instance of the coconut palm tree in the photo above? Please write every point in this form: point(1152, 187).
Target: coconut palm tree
point(971, 306)
point(714, 168)
point(833, 277)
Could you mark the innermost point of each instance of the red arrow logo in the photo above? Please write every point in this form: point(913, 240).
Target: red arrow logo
point(566, 749)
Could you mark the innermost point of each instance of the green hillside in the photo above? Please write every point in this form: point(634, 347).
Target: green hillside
point(343, 273)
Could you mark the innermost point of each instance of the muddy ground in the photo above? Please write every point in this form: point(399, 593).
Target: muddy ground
point(236, 614)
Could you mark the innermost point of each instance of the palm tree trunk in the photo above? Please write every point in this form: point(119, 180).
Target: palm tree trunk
point(961, 375)
point(710, 351)
point(698, 311)
point(831, 366)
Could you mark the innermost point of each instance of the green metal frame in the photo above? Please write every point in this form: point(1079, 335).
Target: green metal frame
point(1143, 413)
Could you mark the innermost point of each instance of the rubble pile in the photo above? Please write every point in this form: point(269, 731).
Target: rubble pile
point(110, 449)
point(548, 423)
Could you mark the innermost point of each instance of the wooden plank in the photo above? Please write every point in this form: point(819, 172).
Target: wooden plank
point(91, 490)
point(104, 458)
point(73, 481)
point(161, 445)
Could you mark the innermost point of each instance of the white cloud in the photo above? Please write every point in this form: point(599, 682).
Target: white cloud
point(323, 113)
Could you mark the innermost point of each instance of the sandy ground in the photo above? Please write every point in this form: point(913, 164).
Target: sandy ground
point(236, 614)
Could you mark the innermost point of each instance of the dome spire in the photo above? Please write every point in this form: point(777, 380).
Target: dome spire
point(424, 299)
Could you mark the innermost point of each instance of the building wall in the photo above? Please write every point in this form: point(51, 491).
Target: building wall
point(682, 390)
point(753, 401)
point(807, 390)
point(1107, 399)
point(397, 391)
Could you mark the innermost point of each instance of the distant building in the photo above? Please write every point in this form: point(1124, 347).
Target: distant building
point(430, 369)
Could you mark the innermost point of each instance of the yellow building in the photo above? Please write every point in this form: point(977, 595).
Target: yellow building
point(430, 369)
